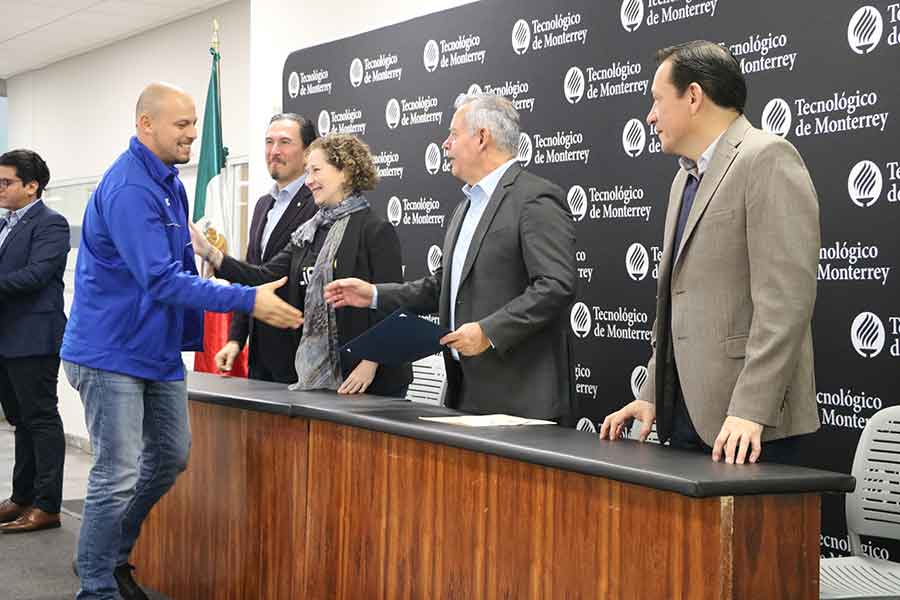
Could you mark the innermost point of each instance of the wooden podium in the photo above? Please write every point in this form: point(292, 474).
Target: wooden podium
point(358, 499)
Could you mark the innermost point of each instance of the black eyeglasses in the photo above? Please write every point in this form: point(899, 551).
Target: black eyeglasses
point(5, 183)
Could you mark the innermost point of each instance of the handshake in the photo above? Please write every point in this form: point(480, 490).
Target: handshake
point(268, 307)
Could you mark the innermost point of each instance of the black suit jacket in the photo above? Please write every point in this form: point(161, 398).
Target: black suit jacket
point(32, 263)
point(272, 350)
point(369, 250)
point(518, 282)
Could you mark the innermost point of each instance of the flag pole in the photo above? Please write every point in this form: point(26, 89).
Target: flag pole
point(227, 207)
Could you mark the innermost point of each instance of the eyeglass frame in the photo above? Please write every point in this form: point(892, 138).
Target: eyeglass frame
point(5, 182)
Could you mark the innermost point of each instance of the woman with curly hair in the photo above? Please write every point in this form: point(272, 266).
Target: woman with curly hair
point(345, 238)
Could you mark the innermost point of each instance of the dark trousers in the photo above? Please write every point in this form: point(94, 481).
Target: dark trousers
point(784, 451)
point(264, 373)
point(28, 395)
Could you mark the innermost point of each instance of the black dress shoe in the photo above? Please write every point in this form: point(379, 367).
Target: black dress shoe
point(128, 587)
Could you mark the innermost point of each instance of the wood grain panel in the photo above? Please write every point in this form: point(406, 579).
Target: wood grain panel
point(277, 463)
point(346, 508)
point(194, 541)
point(776, 546)
point(274, 508)
point(227, 529)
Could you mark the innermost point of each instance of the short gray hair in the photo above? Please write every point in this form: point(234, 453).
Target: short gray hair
point(494, 113)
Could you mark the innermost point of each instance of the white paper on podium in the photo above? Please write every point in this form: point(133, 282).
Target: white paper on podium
point(487, 420)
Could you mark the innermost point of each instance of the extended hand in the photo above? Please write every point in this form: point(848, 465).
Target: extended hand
point(359, 378)
point(639, 409)
point(199, 241)
point(225, 356)
point(212, 256)
point(349, 291)
point(271, 309)
point(736, 437)
point(468, 340)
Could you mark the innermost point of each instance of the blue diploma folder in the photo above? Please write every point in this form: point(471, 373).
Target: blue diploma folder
point(401, 337)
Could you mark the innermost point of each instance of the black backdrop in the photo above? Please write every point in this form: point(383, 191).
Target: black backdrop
point(824, 74)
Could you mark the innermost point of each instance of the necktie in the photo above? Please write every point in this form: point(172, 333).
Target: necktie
point(667, 384)
point(687, 201)
point(5, 221)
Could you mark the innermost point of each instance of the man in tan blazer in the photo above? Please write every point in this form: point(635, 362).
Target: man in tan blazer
point(732, 364)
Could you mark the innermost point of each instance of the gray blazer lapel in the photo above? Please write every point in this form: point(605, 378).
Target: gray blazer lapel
point(496, 199)
point(715, 173)
point(449, 243)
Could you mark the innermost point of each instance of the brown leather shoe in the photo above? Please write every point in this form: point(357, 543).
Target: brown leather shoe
point(34, 519)
point(10, 511)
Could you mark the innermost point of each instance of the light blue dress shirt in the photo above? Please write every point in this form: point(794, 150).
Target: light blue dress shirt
point(478, 195)
point(282, 201)
point(11, 218)
point(699, 168)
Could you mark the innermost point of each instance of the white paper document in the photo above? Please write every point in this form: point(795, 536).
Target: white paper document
point(487, 420)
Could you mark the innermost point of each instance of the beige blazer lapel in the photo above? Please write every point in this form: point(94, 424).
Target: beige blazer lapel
point(674, 207)
point(718, 167)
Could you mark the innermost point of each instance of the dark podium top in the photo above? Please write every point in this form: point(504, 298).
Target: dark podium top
point(650, 465)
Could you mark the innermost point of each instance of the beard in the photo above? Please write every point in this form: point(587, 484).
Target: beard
point(274, 170)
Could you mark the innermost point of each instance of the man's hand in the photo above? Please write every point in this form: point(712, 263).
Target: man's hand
point(199, 241)
point(468, 340)
point(225, 356)
point(644, 412)
point(274, 311)
point(359, 378)
point(736, 437)
point(212, 256)
point(349, 291)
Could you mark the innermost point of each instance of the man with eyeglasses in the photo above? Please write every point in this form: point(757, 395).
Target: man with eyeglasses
point(278, 213)
point(34, 242)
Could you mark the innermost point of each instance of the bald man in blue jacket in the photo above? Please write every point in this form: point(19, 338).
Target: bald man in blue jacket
point(138, 304)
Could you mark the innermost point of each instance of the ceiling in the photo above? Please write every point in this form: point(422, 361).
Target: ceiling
point(36, 33)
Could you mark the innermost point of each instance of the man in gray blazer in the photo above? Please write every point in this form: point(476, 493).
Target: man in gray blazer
point(732, 364)
point(507, 280)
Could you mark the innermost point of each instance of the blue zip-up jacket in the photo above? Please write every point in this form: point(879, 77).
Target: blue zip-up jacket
point(138, 299)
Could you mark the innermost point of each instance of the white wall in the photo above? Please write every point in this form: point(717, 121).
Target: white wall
point(79, 113)
point(3, 126)
point(278, 27)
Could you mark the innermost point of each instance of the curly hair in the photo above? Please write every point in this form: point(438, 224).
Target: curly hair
point(351, 155)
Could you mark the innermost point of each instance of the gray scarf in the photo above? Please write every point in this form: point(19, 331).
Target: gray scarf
point(317, 362)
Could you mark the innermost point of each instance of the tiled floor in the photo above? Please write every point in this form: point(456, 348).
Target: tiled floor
point(38, 566)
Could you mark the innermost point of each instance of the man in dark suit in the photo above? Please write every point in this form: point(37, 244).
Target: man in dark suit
point(731, 373)
point(34, 242)
point(288, 205)
point(507, 280)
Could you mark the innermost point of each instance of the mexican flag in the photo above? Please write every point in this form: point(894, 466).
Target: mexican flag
point(212, 201)
point(210, 197)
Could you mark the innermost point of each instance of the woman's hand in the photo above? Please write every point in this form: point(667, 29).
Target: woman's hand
point(360, 378)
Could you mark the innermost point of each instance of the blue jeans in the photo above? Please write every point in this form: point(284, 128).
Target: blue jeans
point(141, 439)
